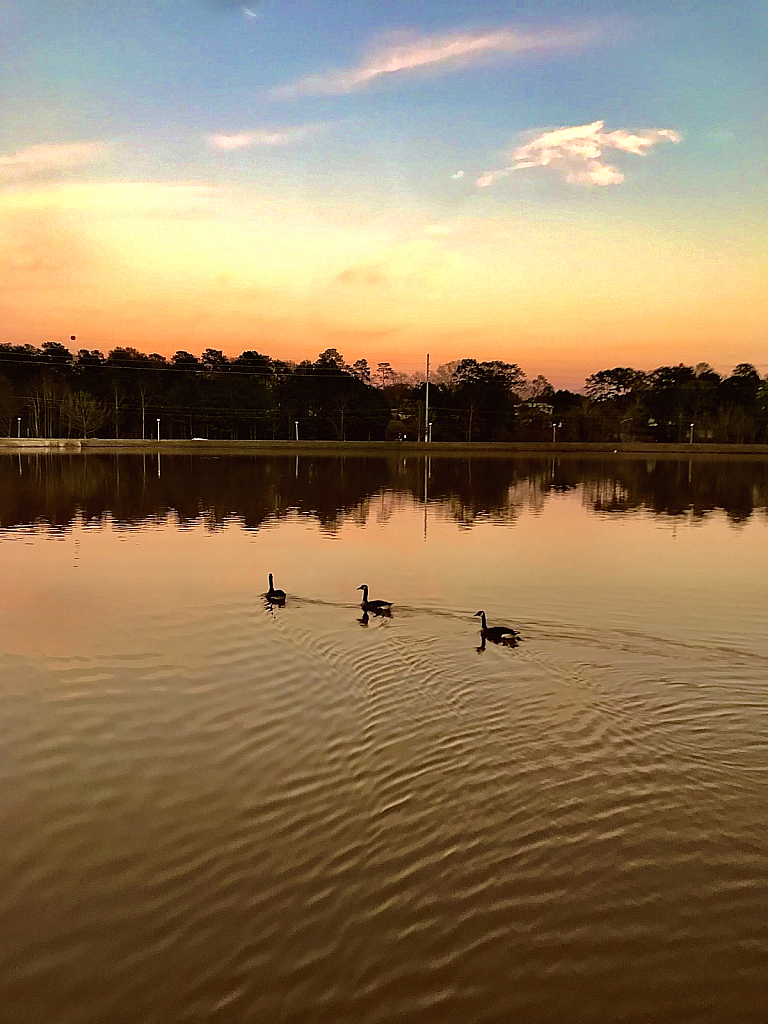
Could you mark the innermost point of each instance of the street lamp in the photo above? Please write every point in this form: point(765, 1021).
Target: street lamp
point(426, 405)
point(158, 428)
point(554, 431)
point(18, 422)
point(690, 441)
point(296, 428)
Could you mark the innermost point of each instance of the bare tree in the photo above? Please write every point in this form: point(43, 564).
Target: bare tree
point(84, 413)
point(444, 373)
point(9, 406)
point(538, 390)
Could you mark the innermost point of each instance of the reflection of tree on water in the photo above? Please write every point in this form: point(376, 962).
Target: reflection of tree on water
point(679, 487)
point(54, 489)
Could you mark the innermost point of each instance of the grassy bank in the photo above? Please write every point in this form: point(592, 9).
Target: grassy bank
point(438, 448)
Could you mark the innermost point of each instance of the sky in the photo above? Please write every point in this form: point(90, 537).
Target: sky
point(565, 184)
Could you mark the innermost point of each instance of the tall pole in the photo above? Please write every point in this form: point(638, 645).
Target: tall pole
point(426, 405)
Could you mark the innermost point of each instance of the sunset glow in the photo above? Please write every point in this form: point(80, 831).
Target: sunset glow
point(196, 176)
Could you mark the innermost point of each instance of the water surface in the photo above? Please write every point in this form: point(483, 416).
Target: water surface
point(218, 810)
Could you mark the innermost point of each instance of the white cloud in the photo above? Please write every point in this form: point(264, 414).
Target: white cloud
point(577, 153)
point(48, 157)
point(266, 137)
point(457, 175)
point(408, 51)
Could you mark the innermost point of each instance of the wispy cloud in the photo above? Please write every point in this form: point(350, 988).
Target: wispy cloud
point(233, 5)
point(48, 157)
point(266, 137)
point(409, 51)
point(577, 153)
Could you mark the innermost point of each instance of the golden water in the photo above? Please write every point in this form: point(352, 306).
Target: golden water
point(217, 810)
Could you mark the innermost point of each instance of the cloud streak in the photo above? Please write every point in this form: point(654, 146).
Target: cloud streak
point(409, 51)
point(576, 153)
point(48, 157)
point(269, 137)
point(232, 5)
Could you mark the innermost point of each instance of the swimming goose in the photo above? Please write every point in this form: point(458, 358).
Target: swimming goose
point(277, 596)
point(497, 634)
point(377, 607)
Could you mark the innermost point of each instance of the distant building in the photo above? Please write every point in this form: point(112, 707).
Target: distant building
point(544, 407)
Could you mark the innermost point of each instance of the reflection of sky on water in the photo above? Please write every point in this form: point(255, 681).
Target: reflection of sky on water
point(189, 770)
point(535, 543)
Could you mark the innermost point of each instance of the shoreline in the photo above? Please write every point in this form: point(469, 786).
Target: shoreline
point(76, 446)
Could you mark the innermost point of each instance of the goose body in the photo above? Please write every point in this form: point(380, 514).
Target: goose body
point(497, 634)
point(377, 607)
point(277, 596)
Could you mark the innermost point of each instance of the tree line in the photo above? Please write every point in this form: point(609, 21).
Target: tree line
point(53, 392)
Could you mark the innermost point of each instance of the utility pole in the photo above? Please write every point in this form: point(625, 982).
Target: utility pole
point(426, 405)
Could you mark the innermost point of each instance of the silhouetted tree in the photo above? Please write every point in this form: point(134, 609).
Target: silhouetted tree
point(84, 413)
point(610, 384)
point(9, 406)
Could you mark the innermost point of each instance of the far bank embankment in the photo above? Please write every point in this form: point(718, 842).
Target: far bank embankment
point(75, 446)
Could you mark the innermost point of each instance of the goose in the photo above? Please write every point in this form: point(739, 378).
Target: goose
point(377, 607)
point(497, 634)
point(277, 596)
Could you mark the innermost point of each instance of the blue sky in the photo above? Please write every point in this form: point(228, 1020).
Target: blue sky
point(406, 150)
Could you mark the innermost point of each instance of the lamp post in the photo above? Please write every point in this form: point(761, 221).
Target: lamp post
point(554, 431)
point(18, 424)
point(158, 428)
point(690, 440)
point(426, 406)
point(296, 428)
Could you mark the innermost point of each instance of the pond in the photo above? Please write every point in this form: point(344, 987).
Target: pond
point(223, 809)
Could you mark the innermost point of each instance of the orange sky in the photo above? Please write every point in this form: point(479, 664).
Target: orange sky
point(570, 185)
point(165, 266)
